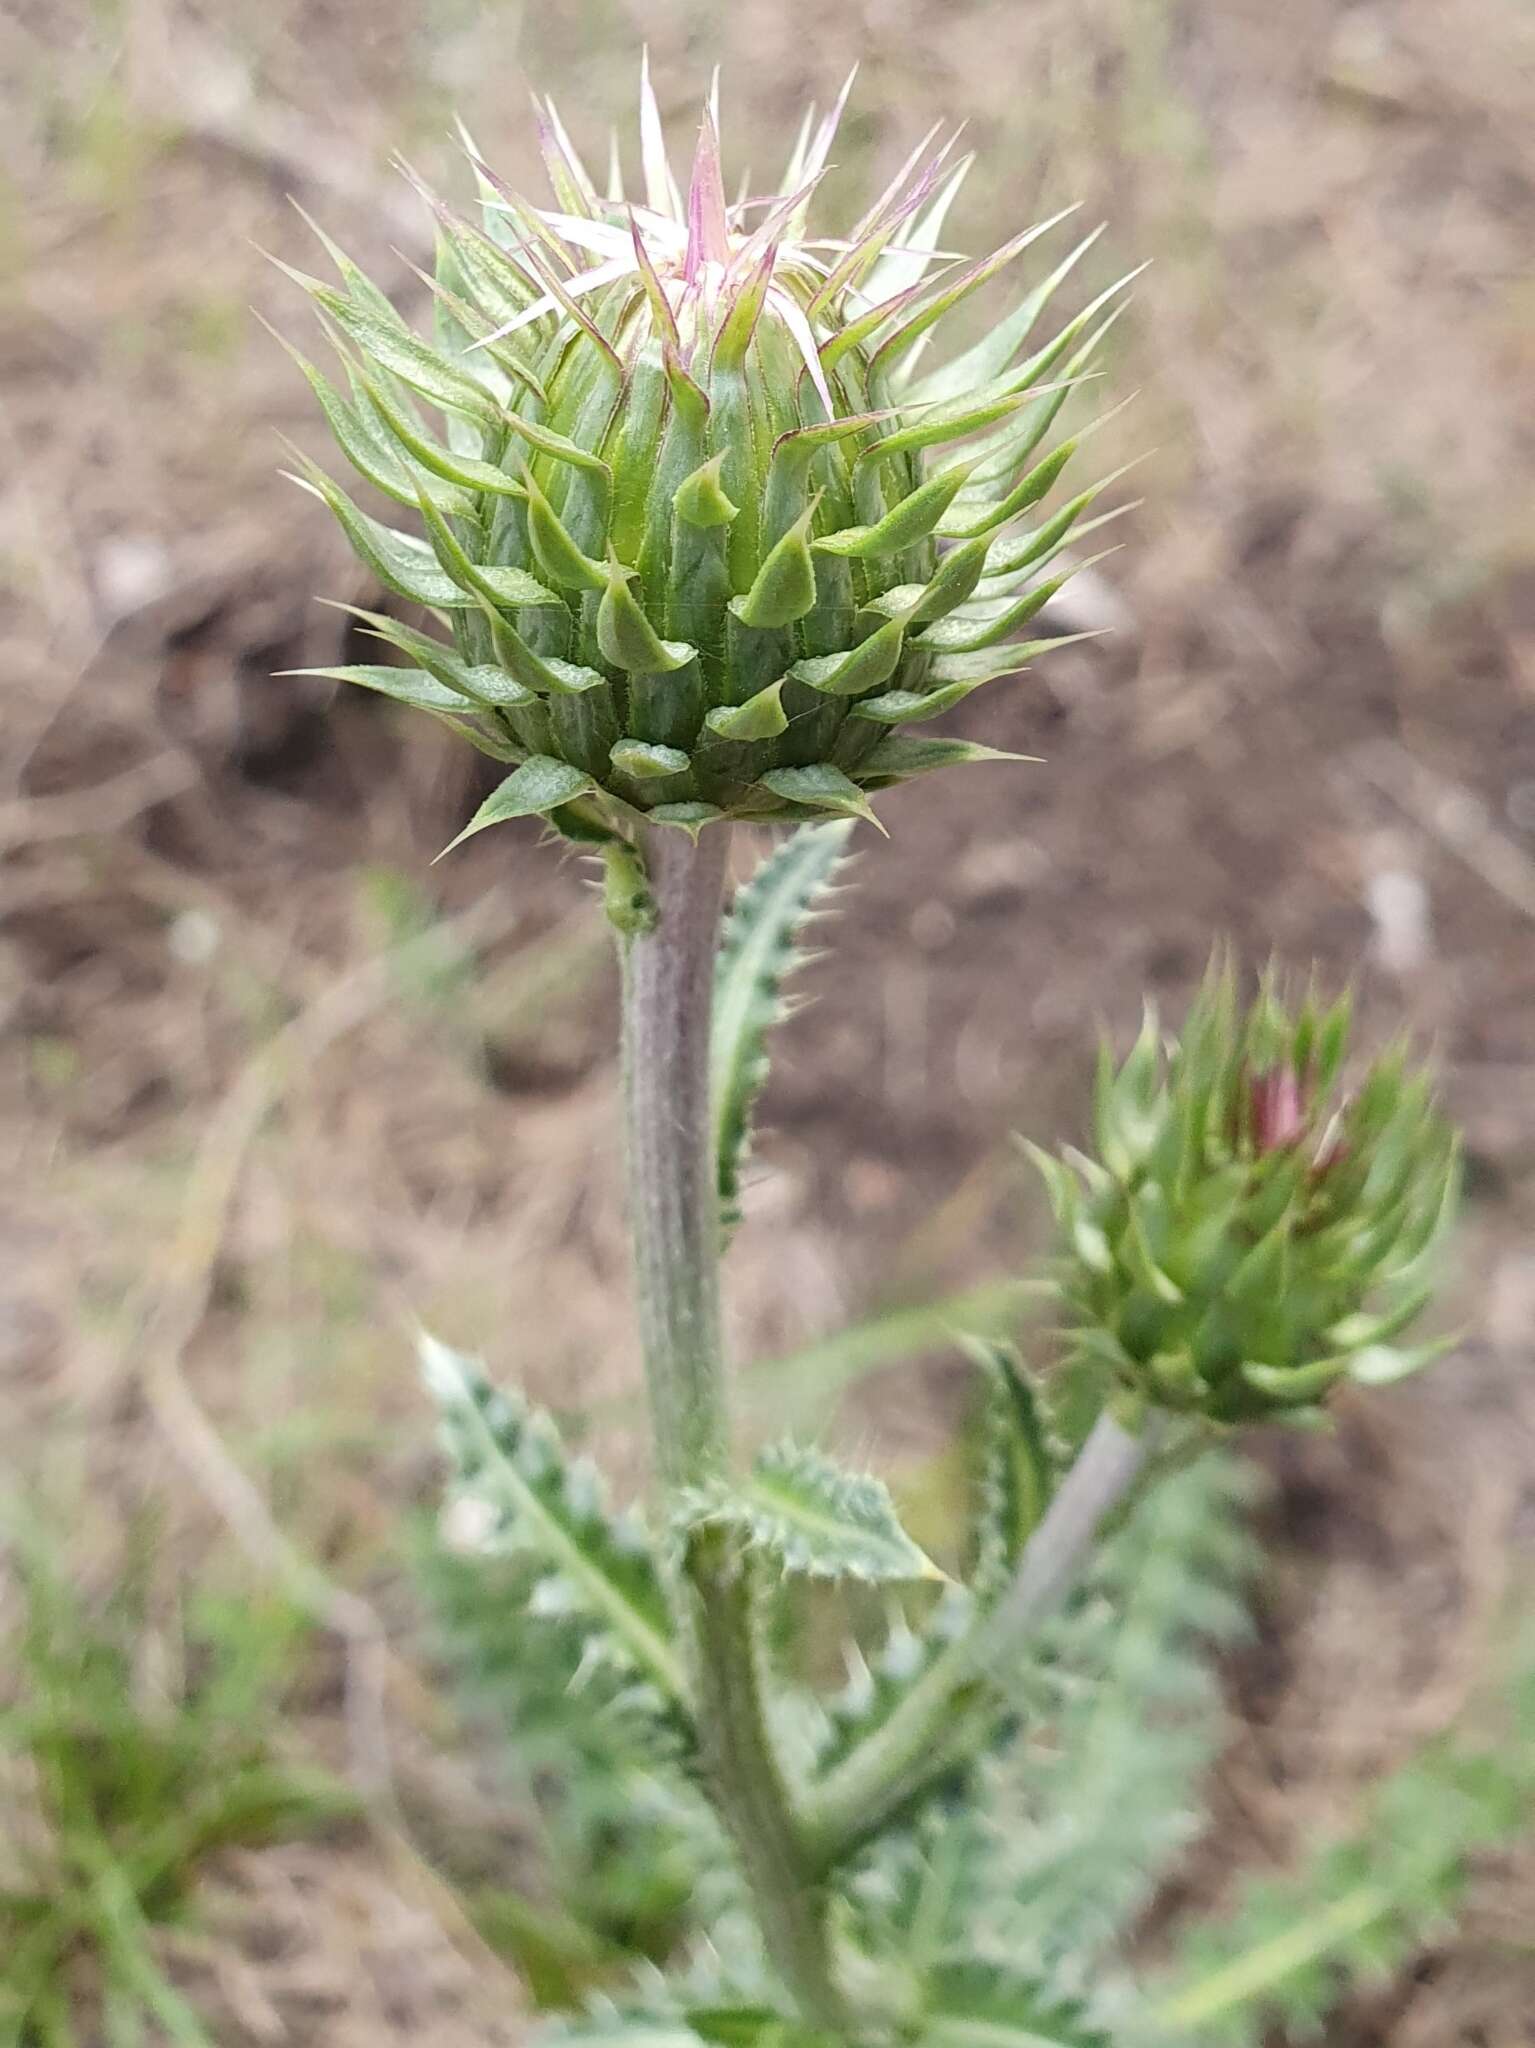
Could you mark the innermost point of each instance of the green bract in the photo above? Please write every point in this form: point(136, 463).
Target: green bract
point(1249, 1235)
point(702, 537)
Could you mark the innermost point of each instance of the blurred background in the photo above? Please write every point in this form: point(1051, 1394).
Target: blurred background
point(271, 1085)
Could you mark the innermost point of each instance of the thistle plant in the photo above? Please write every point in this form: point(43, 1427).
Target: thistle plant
point(702, 533)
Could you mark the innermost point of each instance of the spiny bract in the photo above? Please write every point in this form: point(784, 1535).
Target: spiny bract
point(1248, 1236)
point(704, 542)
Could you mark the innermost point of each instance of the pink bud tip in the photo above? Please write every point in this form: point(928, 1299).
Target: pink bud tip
point(1278, 1109)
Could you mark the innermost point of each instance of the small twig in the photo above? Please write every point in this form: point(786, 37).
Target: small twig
point(1451, 813)
point(176, 1306)
point(105, 808)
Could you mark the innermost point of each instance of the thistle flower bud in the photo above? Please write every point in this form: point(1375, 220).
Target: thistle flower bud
point(1249, 1234)
point(705, 541)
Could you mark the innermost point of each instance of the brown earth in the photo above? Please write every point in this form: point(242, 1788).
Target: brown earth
point(1313, 732)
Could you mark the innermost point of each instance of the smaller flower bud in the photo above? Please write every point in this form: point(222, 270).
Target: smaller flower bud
point(1249, 1234)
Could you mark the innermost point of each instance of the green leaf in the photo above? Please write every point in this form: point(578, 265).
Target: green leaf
point(987, 664)
point(983, 624)
point(754, 2026)
point(1358, 1907)
point(759, 950)
point(401, 563)
point(865, 667)
point(626, 637)
point(913, 519)
point(965, 522)
point(899, 758)
point(761, 717)
point(951, 292)
point(406, 565)
point(541, 784)
point(691, 817)
point(406, 685)
point(1014, 553)
point(647, 761)
point(365, 446)
point(1015, 1473)
point(958, 572)
point(466, 470)
point(700, 498)
point(558, 447)
point(820, 787)
point(816, 1518)
point(512, 588)
point(390, 344)
point(508, 1457)
point(1130, 1689)
point(900, 707)
point(474, 682)
point(554, 550)
point(990, 356)
point(784, 587)
point(976, 2004)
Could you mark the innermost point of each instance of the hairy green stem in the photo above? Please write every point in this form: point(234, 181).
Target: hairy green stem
point(673, 1199)
point(944, 1714)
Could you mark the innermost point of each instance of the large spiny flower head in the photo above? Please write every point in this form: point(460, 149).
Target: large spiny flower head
point(706, 542)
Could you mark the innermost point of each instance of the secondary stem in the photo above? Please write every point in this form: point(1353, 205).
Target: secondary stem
point(935, 1721)
point(668, 992)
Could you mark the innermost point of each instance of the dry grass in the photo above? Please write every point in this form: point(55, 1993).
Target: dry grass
point(242, 1151)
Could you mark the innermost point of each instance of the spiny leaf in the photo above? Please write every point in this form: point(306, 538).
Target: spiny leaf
point(899, 707)
point(391, 345)
point(406, 685)
point(953, 292)
point(700, 499)
point(626, 637)
point(554, 550)
point(540, 785)
point(1015, 1474)
point(509, 1456)
point(761, 717)
point(758, 952)
point(997, 347)
point(1134, 1706)
point(1359, 1906)
point(466, 470)
point(864, 667)
point(986, 664)
point(898, 758)
point(784, 587)
point(820, 787)
point(1007, 557)
point(986, 622)
point(877, 1684)
point(976, 2004)
point(406, 565)
point(511, 588)
point(816, 1518)
point(648, 761)
point(357, 434)
point(913, 519)
point(474, 682)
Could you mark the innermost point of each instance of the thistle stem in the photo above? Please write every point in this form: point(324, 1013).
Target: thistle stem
point(673, 1199)
point(935, 1723)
